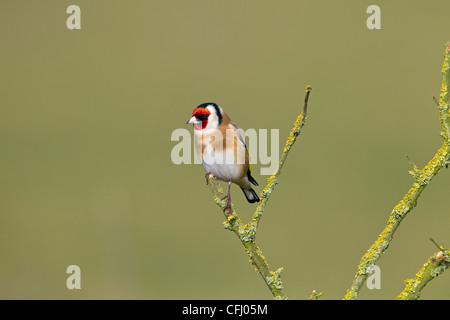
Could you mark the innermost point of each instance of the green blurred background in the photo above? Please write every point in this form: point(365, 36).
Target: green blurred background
point(86, 118)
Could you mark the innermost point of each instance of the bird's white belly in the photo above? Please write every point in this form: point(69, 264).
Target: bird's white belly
point(217, 164)
point(226, 164)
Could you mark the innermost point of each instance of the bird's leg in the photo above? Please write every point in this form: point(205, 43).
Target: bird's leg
point(207, 175)
point(228, 196)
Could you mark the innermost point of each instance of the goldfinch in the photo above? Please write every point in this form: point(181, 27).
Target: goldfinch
point(221, 145)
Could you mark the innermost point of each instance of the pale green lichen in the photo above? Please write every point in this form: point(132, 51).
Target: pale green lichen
point(227, 225)
point(274, 281)
point(247, 232)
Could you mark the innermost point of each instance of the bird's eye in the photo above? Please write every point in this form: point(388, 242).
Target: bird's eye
point(203, 117)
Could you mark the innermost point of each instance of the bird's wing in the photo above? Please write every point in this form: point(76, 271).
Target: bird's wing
point(240, 134)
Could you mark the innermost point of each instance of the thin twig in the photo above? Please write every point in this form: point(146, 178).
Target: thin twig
point(273, 180)
point(437, 245)
point(436, 101)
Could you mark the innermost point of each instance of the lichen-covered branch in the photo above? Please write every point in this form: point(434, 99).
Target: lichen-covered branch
point(421, 179)
point(273, 180)
point(314, 295)
point(247, 232)
point(437, 264)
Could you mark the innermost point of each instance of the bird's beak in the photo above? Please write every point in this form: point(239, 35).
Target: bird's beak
point(192, 120)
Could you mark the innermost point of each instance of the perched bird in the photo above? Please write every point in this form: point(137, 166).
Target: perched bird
point(221, 145)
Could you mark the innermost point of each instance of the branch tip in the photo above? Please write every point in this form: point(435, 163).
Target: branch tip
point(272, 181)
point(436, 101)
point(308, 91)
point(441, 248)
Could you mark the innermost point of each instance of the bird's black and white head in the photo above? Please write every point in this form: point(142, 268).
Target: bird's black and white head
point(206, 116)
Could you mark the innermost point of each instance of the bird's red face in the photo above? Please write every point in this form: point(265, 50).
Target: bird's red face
point(200, 118)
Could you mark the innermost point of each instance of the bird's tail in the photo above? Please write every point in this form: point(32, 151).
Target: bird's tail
point(250, 195)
